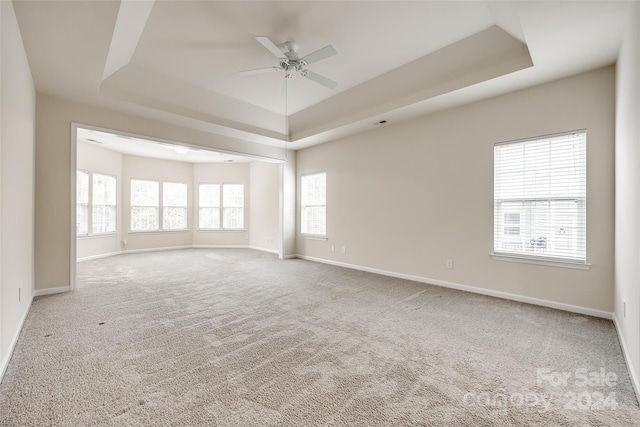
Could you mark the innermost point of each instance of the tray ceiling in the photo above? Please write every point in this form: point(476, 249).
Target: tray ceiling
point(396, 60)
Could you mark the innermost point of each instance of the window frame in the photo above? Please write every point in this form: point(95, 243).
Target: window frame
point(224, 207)
point(164, 206)
point(157, 207)
point(221, 207)
point(528, 204)
point(218, 207)
point(303, 206)
point(114, 206)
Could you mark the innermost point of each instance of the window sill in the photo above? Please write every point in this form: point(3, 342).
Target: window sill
point(541, 261)
point(314, 237)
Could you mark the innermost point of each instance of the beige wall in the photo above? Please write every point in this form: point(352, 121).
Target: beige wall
point(265, 201)
point(627, 268)
point(99, 160)
point(404, 198)
point(53, 172)
point(17, 112)
point(134, 167)
point(222, 173)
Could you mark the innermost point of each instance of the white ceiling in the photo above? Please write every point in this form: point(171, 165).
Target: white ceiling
point(396, 59)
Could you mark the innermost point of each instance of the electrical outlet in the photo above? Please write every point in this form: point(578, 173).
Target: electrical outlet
point(19, 294)
point(450, 264)
point(333, 248)
point(344, 249)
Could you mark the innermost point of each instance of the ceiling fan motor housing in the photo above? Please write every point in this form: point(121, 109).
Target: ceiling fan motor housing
point(291, 66)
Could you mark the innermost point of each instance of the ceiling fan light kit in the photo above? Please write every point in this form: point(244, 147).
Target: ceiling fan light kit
point(291, 63)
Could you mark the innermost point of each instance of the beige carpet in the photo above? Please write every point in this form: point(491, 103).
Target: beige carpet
point(239, 338)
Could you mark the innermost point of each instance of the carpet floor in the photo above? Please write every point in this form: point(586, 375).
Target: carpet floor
point(234, 337)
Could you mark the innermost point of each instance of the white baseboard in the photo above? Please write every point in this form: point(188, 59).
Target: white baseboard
point(220, 246)
point(5, 363)
point(258, 248)
point(168, 248)
point(467, 288)
point(635, 381)
point(51, 291)
point(107, 255)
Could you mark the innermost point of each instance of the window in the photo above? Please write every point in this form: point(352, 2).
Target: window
point(209, 213)
point(144, 205)
point(221, 210)
point(82, 203)
point(233, 206)
point(95, 203)
point(103, 213)
point(313, 196)
point(174, 206)
point(540, 198)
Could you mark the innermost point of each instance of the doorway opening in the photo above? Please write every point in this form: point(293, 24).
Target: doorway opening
point(132, 193)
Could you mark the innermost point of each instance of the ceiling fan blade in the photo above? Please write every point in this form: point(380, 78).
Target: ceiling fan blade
point(319, 79)
point(319, 55)
point(259, 71)
point(271, 47)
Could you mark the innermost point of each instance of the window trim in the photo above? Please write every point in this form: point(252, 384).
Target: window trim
point(552, 261)
point(314, 236)
point(320, 237)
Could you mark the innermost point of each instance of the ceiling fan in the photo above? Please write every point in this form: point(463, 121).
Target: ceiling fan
point(292, 63)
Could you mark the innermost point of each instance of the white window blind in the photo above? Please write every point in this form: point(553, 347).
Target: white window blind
point(174, 206)
point(209, 207)
point(82, 202)
point(144, 205)
point(103, 213)
point(233, 206)
point(540, 197)
point(313, 197)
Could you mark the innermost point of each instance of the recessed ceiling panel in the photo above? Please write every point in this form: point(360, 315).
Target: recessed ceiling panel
point(207, 43)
